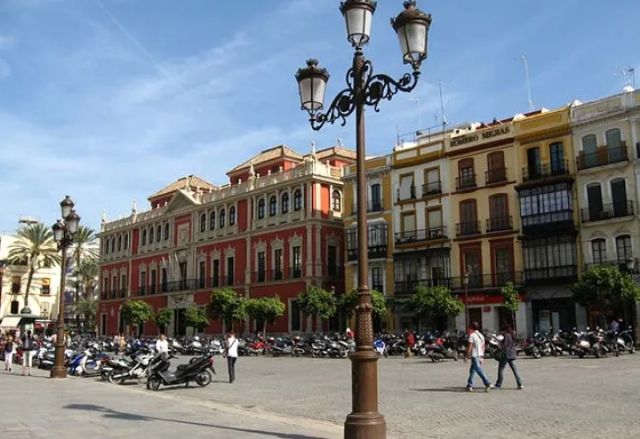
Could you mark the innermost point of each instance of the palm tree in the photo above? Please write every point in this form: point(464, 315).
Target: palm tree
point(88, 271)
point(87, 308)
point(36, 246)
point(84, 246)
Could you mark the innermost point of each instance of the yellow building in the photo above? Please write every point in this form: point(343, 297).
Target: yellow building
point(484, 221)
point(548, 214)
point(420, 216)
point(380, 232)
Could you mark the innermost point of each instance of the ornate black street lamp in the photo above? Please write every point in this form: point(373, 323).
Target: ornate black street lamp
point(63, 231)
point(364, 88)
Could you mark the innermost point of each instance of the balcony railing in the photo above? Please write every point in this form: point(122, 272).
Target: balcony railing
point(542, 219)
point(550, 275)
point(372, 206)
point(433, 188)
point(123, 293)
point(622, 264)
point(295, 272)
point(608, 211)
point(492, 280)
point(465, 182)
point(214, 281)
point(603, 156)
point(468, 228)
point(500, 223)
point(421, 235)
point(375, 251)
point(404, 287)
point(497, 175)
point(277, 274)
point(259, 276)
point(545, 170)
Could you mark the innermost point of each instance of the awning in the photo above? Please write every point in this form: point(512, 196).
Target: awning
point(10, 322)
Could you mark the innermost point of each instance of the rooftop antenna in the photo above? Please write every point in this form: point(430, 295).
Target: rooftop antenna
point(526, 71)
point(443, 114)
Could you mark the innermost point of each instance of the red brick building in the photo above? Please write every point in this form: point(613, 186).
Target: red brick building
point(275, 228)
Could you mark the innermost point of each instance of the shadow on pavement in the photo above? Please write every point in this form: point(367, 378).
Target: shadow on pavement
point(110, 413)
point(442, 389)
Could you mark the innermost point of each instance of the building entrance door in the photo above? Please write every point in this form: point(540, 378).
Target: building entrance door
point(179, 322)
point(475, 315)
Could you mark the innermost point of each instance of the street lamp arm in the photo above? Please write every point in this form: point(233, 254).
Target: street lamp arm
point(341, 107)
point(381, 86)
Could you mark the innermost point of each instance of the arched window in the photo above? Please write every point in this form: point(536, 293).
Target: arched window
point(261, 208)
point(126, 241)
point(284, 203)
point(212, 220)
point(623, 248)
point(144, 237)
point(113, 244)
point(222, 218)
point(106, 246)
point(166, 231)
point(273, 205)
point(159, 233)
point(599, 249)
point(297, 200)
point(336, 201)
point(203, 223)
point(232, 215)
point(613, 138)
point(120, 243)
point(151, 235)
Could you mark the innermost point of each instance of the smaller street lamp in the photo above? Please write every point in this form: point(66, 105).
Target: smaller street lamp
point(63, 231)
point(465, 281)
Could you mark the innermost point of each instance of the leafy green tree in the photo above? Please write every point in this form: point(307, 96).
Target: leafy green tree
point(511, 299)
point(432, 304)
point(196, 317)
point(86, 307)
point(266, 310)
point(226, 306)
point(349, 301)
point(84, 247)
point(162, 318)
point(35, 247)
point(315, 301)
point(607, 288)
point(136, 312)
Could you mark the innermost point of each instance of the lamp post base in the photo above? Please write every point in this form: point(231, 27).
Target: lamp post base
point(364, 422)
point(58, 372)
point(365, 426)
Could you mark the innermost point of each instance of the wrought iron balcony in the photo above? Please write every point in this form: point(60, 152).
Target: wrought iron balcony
point(603, 156)
point(624, 265)
point(411, 196)
point(465, 182)
point(433, 188)
point(491, 280)
point(608, 211)
point(545, 170)
point(295, 272)
point(497, 175)
point(277, 274)
point(548, 218)
point(421, 235)
point(375, 252)
point(372, 206)
point(259, 276)
point(407, 287)
point(467, 228)
point(499, 223)
point(551, 275)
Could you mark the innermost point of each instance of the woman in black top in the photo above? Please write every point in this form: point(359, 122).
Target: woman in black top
point(509, 357)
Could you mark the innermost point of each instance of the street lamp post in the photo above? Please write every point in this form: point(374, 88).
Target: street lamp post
point(364, 88)
point(63, 231)
point(465, 280)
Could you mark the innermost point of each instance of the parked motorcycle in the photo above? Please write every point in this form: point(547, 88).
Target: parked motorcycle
point(199, 369)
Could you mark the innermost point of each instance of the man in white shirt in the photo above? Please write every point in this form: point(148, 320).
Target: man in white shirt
point(475, 351)
point(162, 346)
point(231, 351)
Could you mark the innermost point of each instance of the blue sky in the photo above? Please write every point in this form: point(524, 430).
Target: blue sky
point(110, 100)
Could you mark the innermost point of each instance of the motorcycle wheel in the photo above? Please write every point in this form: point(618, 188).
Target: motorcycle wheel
point(597, 352)
point(112, 377)
point(535, 353)
point(204, 378)
point(153, 383)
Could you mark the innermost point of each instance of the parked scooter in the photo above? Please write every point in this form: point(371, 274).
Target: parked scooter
point(136, 369)
point(199, 369)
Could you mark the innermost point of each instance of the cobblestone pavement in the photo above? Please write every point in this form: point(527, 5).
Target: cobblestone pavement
point(300, 397)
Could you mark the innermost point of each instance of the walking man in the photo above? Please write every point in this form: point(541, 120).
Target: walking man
point(162, 345)
point(231, 352)
point(509, 356)
point(27, 348)
point(475, 351)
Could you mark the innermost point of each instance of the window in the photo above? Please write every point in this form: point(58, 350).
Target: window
point(466, 174)
point(613, 138)
point(407, 190)
point(230, 270)
point(215, 277)
point(159, 233)
point(123, 285)
point(126, 241)
point(297, 200)
point(589, 151)
point(120, 243)
point(619, 198)
point(221, 218)
point(409, 225)
point(472, 262)
point(14, 306)
point(336, 201)
point(284, 203)
point(106, 246)
point(499, 218)
point(143, 282)
point(154, 277)
point(202, 274)
point(212, 220)
point(534, 166)
point(496, 171)
point(166, 231)
point(556, 152)
point(468, 218)
point(46, 286)
point(273, 206)
point(556, 252)
point(623, 248)
point(144, 237)
point(594, 201)
point(164, 280)
point(113, 244)
point(434, 223)
point(376, 197)
point(203, 223)
point(547, 204)
point(377, 277)
point(297, 262)
point(150, 235)
point(294, 316)
point(332, 260)
point(261, 267)
point(277, 262)
point(599, 250)
point(261, 208)
point(232, 215)
point(432, 182)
